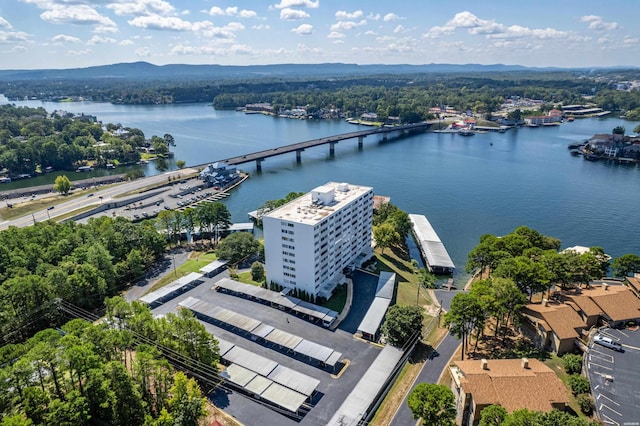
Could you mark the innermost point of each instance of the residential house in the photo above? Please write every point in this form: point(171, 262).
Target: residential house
point(552, 325)
point(514, 384)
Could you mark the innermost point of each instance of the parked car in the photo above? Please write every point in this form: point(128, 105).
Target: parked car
point(607, 342)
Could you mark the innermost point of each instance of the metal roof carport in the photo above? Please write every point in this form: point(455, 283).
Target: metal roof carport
point(213, 268)
point(172, 289)
point(250, 360)
point(364, 393)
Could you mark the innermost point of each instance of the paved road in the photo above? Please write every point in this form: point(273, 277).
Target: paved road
point(433, 368)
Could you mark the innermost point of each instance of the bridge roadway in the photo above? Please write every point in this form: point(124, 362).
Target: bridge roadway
point(259, 156)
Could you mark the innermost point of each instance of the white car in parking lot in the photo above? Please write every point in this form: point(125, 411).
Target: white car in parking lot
point(607, 342)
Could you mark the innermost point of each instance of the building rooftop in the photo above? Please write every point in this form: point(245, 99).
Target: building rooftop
point(559, 317)
point(319, 203)
point(616, 302)
point(512, 383)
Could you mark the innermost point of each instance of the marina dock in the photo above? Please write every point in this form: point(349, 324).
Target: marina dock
point(433, 251)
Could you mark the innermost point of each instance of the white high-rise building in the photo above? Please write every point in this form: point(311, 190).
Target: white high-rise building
point(311, 240)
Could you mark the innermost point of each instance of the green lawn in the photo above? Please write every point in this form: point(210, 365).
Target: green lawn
point(196, 261)
point(398, 261)
point(245, 277)
point(338, 300)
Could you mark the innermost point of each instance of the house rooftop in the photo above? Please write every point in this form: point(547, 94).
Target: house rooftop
point(616, 302)
point(514, 384)
point(559, 317)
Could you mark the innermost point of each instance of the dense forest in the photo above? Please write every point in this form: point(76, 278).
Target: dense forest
point(81, 264)
point(117, 372)
point(31, 140)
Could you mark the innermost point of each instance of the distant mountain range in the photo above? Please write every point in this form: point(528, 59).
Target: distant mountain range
point(147, 71)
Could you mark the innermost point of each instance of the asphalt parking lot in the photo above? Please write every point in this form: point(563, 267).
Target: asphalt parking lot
point(615, 377)
point(332, 391)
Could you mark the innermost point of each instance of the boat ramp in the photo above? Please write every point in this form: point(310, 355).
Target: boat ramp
point(433, 251)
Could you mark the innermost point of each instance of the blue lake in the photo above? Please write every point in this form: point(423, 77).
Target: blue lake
point(466, 186)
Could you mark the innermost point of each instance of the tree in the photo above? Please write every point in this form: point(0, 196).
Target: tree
point(572, 363)
point(426, 278)
point(493, 415)
point(579, 384)
point(618, 130)
point(636, 129)
point(434, 404)
point(586, 404)
point(465, 316)
point(401, 323)
point(161, 164)
point(625, 265)
point(186, 403)
point(257, 271)
point(238, 246)
point(62, 185)
point(385, 236)
point(180, 164)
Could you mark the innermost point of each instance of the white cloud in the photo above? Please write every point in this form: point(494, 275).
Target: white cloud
point(157, 22)
point(63, 38)
point(370, 32)
point(293, 14)
point(302, 48)
point(142, 7)
point(261, 27)
point(143, 52)
point(297, 3)
point(236, 49)
point(491, 29)
point(390, 17)
point(304, 29)
point(336, 34)
point(347, 25)
point(598, 24)
point(83, 52)
point(399, 29)
point(12, 37)
point(374, 17)
point(100, 40)
point(18, 49)
point(232, 11)
point(78, 14)
point(342, 15)
point(4, 23)
point(631, 40)
point(126, 43)
point(226, 33)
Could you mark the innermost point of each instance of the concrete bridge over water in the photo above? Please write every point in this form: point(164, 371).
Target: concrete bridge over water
point(299, 147)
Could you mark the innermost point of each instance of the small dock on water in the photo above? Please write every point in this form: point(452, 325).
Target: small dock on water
point(433, 252)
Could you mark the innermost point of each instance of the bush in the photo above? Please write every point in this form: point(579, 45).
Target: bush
point(586, 404)
point(257, 271)
point(572, 363)
point(579, 384)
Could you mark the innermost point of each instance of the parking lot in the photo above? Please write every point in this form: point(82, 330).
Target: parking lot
point(614, 377)
point(332, 390)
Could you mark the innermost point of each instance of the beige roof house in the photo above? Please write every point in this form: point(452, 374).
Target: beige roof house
point(616, 303)
point(512, 383)
point(552, 325)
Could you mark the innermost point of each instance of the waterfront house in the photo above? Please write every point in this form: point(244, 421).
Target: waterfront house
point(369, 116)
point(514, 384)
point(616, 304)
point(552, 325)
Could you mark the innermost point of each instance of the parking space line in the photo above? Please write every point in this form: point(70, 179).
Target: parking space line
point(610, 409)
point(598, 365)
point(609, 420)
point(606, 397)
point(600, 355)
point(610, 335)
point(635, 348)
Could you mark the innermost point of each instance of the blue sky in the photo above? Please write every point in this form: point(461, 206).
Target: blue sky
point(79, 33)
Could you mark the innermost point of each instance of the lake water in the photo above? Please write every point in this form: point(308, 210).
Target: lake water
point(466, 186)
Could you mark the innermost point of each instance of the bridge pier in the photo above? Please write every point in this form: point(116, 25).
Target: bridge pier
point(360, 140)
point(384, 137)
point(332, 149)
point(299, 155)
point(259, 164)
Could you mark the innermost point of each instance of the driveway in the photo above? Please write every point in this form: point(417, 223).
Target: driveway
point(435, 365)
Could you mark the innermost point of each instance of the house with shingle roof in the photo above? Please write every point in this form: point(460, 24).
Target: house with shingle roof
point(552, 325)
point(616, 304)
point(514, 384)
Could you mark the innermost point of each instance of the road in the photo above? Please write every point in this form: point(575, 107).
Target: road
point(99, 197)
point(435, 365)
